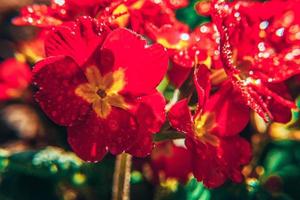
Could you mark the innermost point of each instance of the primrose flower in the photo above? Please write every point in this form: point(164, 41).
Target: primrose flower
point(101, 84)
point(217, 151)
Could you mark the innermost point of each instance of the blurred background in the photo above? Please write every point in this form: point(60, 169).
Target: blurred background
point(36, 162)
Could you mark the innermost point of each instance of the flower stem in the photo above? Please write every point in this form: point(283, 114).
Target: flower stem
point(121, 184)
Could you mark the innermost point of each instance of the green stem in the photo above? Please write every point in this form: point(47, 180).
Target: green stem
point(121, 184)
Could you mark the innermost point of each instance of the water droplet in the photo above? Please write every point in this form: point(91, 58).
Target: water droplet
point(237, 14)
point(184, 36)
point(261, 46)
point(113, 125)
point(263, 25)
point(280, 32)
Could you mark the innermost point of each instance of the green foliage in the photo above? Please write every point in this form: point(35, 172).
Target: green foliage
point(54, 172)
point(189, 16)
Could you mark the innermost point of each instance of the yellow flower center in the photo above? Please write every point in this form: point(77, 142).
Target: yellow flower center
point(180, 45)
point(102, 91)
point(203, 124)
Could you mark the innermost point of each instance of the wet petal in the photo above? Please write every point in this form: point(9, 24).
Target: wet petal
point(231, 115)
point(144, 65)
point(121, 129)
point(88, 138)
point(205, 164)
point(77, 40)
point(233, 162)
point(143, 145)
point(281, 113)
point(202, 84)
point(178, 74)
point(180, 117)
point(57, 79)
point(151, 112)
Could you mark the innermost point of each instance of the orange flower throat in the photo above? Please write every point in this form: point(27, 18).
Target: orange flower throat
point(203, 125)
point(102, 91)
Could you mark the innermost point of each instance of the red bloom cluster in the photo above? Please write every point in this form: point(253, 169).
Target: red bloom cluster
point(58, 12)
point(186, 48)
point(99, 78)
point(260, 51)
point(15, 77)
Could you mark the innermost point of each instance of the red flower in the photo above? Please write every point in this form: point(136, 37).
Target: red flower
point(167, 163)
point(186, 49)
point(58, 12)
point(15, 77)
point(212, 132)
point(260, 49)
point(150, 12)
point(101, 85)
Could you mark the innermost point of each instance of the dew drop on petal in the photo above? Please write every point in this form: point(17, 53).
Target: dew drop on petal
point(113, 125)
point(263, 25)
point(280, 32)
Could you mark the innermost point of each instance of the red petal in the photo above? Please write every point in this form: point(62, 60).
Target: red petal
point(285, 69)
point(180, 117)
point(121, 129)
point(202, 84)
point(144, 65)
point(232, 161)
point(229, 110)
point(77, 40)
point(151, 112)
point(150, 116)
point(57, 78)
point(213, 165)
point(88, 138)
point(178, 74)
point(205, 164)
point(281, 113)
point(167, 160)
point(143, 144)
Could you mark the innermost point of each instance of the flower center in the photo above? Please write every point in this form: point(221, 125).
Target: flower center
point(102, 91)
point(203, 125)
